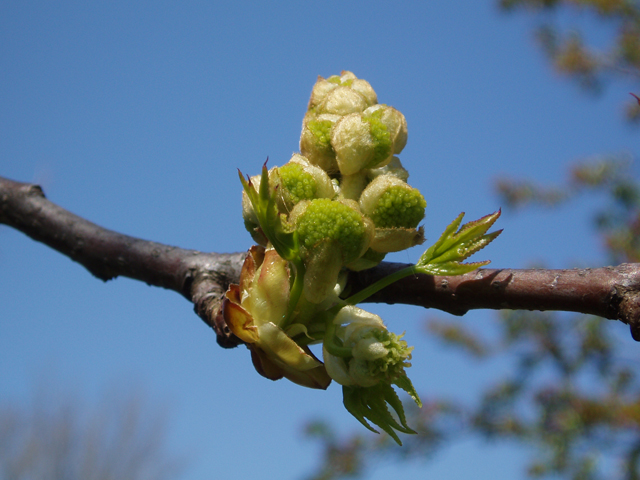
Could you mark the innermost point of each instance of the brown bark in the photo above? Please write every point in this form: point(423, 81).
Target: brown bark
point(610, 292)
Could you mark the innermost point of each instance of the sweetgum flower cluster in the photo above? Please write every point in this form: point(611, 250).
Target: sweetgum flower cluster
point(340, 205)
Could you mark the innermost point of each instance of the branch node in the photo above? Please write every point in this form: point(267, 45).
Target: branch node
point(629, 309)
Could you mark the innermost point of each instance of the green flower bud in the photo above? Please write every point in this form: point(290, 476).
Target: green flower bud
point(382, 141)
point(299, 180)
point(315, 141)
point(331, 234)
point(396, 209)
point(338, 221)
point(390, 203)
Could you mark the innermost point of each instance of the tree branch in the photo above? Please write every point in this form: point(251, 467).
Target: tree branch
point(200, 277)
point(610, 292)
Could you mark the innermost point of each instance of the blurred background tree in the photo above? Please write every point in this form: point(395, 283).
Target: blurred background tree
point(571, 394)
point(121, 437)
point(593, 42)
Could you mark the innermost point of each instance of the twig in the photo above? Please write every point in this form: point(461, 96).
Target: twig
point(610, 292)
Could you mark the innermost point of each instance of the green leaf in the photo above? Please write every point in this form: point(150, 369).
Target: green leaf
point(444, 256)
point(405, 384)
point(271, 222)
point(371, 404)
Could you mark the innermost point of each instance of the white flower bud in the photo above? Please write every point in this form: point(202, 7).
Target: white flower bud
point(366, 90)
point(352, 141)
point(369, 349)
point(319, 91)
point(342, 101)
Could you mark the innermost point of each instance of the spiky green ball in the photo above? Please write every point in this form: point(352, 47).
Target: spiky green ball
point(297, 184)
point(327, 219)
point(400, 207)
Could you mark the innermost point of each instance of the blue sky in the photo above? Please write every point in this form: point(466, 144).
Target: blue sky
point(136, 115)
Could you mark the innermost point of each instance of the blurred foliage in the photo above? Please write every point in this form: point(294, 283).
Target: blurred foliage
point(609, 178)
point(577, 50)
point(568, 395)
point(571, 394)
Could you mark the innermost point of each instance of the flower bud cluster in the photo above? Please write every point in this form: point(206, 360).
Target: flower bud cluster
point(345, 130)
point(346, 194)
point(341, 204)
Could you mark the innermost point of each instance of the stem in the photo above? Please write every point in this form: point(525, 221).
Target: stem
point(365, 293)
point(296, 290)
point(330, 338)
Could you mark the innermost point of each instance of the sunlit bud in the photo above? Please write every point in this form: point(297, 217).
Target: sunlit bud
point(320, 90)
point(364, 88)
point(347, 79)
point(299, 180)
point(315, 141)
point(353, 143)
point(342, 101)
point(368, 140)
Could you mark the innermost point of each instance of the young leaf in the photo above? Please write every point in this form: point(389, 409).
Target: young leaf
point(444, 256)
point(264, 204)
